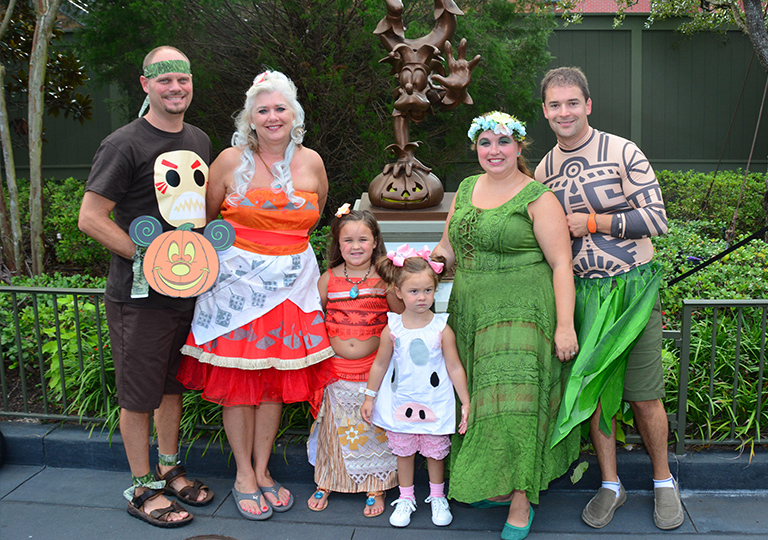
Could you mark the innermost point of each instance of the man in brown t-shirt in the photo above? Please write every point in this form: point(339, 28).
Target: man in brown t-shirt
point(613, 205)
point(157, 165)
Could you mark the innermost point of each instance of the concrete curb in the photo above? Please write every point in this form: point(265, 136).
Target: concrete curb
point(70, 446)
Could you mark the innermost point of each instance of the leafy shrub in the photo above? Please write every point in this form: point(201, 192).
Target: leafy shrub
point(743, 274)
point(319, 240)
point(712, 408)
point(685, 192)
point(73, 377)
point(63, 239)
point(72, 247)
point(739, 275)
point(26, 310)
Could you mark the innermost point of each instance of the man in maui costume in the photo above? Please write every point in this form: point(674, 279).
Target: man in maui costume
point(158, 166)
point(613, 204)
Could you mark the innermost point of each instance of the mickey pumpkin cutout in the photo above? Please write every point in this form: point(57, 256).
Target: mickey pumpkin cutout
point(181, 263)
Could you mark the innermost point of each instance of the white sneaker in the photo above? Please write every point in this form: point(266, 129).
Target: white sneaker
point(441, 512)
point(401, 517)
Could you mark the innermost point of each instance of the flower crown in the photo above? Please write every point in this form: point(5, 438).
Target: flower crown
point(406, 252)
point(498, 122)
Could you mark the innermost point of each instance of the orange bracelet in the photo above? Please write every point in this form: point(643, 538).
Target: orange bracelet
point(592, 223)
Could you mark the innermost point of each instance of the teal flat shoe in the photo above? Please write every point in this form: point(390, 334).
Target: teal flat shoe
point(485, 503)
point(510, 532)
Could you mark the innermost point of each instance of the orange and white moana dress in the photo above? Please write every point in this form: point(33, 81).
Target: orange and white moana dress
point(349, 455)
point(258, 334)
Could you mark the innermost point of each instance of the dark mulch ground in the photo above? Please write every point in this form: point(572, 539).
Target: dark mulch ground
point(15, 393)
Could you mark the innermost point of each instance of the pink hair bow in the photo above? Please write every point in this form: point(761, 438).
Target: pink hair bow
point(406, 252)
point(260, 78)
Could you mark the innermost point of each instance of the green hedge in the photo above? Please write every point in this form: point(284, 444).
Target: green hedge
point(685, 197)
point(684, 193)
point(739, 275)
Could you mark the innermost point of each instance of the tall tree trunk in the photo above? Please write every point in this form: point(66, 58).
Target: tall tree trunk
point(10, 223)
point(7, 17)
point(756, 30)
point(6, 247)
point(46, 11)
point(13, 250)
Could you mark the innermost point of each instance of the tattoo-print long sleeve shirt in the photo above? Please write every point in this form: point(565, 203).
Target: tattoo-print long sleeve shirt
point(607, 174)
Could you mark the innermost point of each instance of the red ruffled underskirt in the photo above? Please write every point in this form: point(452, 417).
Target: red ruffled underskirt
point(286, 335)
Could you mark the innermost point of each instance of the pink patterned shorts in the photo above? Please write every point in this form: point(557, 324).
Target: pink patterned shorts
point(407, 444)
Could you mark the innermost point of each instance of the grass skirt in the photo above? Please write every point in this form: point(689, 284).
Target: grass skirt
point(611, 314)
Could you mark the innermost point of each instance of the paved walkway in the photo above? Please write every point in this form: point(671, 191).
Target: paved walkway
point(50, 501)
point(46, 503)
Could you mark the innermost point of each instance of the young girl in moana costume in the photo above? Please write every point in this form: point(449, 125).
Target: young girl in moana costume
point(349, 455)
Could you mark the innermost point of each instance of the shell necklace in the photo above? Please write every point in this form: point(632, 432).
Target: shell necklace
point(354, 292)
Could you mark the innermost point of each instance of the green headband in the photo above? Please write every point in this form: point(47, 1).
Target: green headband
point(167, 66)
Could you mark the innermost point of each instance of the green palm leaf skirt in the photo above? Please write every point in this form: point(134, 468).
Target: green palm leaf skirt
point(610, 316)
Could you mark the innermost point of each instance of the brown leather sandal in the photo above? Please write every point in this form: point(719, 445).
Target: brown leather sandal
point(159, 517)
point(371, 500)
point(187, 494)
point(322, 492)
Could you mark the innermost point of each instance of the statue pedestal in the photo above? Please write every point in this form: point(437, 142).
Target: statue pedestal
point(415, 227)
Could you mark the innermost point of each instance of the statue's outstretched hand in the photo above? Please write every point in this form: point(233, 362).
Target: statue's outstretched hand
point(459, 75)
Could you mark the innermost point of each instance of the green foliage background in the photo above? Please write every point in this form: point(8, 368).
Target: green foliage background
point(328, 49)
point(67, 249)
point(65, 72)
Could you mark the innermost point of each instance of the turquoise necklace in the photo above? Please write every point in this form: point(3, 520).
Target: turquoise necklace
point(354, 292)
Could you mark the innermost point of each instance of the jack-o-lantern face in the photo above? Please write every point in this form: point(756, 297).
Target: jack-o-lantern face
point(419, 190)
point(181, 264)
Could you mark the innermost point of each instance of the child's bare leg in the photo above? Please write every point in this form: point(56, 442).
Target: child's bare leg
point(436, 469)
point(405, 467)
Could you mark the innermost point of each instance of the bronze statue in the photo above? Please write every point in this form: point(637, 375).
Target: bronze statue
point(418, 66)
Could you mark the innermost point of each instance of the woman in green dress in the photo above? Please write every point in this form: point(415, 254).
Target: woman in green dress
point(511, 308)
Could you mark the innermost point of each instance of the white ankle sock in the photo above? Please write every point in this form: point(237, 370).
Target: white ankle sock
point(668, 483)
point(613, 486)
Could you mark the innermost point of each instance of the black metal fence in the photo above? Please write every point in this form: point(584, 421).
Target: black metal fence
point(55, 364)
